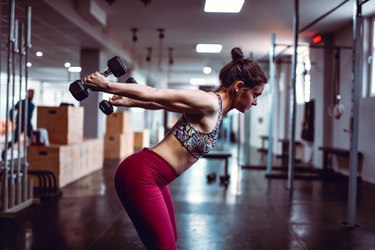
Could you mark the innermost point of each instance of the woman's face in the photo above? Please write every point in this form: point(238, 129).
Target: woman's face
point(246, 97)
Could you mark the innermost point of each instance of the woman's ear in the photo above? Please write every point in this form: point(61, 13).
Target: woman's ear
point(238, 85)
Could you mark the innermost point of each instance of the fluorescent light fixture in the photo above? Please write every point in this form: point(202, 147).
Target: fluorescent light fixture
point(207, 70)
point(39, 53)
point(75, 69)
point(67, 64)
point(223, 6)
point(208, 48)
point(307, 64)
point(197, 81)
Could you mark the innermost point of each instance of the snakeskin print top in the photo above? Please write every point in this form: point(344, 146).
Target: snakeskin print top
point(196, 142)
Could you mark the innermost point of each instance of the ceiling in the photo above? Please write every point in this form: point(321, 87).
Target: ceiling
point(60, 31)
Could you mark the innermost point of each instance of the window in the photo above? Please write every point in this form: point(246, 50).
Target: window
point(303, 76)
point(372, 58)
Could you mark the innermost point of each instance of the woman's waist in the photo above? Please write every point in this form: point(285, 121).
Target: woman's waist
point(147, 165)
point(178, 157)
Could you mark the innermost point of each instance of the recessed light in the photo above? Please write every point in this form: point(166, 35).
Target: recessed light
point(223, 6)
point(207, 70)
point(208, 48)
point(67, 64)
point(75, 69)
point(29, 64)
point(39, 53)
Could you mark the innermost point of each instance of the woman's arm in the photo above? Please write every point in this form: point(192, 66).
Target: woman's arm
point(117, 100)
point(191, 101)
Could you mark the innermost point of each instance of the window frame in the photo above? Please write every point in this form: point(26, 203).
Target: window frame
point(371, 59)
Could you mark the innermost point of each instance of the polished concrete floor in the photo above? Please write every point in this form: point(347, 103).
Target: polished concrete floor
point(252, 212)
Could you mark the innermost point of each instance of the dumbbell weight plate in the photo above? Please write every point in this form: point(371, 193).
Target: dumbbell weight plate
point(211, 177)
point(224, 179)
point(106, 107)
point(116, 67)
point(78, 90)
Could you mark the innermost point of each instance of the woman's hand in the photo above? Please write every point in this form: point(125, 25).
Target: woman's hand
point(96, 82)
point(120, 101)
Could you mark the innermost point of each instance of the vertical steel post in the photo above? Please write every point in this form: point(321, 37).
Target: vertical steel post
point(247, 135)
point(272, 86)
point(356, 87)
point(27, 45)
point(12, 160)
point(1, 45)
point(21, 112)
point(292, 115)
point(239, 141)
point(5, 201)
point(12, 168)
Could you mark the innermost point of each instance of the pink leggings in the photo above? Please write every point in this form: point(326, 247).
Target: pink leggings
point(141, 183)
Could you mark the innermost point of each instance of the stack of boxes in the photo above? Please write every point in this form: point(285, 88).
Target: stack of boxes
point(141, 139)
point(119, 139)
point(69, 156)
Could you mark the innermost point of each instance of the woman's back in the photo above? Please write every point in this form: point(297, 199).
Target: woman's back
point(190, 138)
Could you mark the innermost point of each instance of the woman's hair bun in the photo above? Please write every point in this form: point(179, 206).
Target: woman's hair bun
point(236, 54)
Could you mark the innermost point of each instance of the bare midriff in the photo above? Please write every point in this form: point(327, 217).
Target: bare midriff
point(171, 150)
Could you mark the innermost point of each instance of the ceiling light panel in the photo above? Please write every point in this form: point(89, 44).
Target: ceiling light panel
point(208, 48)
point(223, 6)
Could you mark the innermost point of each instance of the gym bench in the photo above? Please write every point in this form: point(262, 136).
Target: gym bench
point(338, 152)
point(221, 155)
point(285, 151)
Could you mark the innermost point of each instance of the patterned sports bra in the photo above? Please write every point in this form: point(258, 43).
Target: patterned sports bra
point(196, 142)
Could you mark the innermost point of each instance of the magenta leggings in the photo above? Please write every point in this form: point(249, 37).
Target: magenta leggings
point(141, 183)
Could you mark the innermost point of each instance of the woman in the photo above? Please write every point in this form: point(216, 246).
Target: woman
point(142, 179)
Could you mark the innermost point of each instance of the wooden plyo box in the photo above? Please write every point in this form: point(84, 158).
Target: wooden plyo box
point(64, 124)
point(68, 162)
point(141, 139)
point(118, 123)
point(118, 146)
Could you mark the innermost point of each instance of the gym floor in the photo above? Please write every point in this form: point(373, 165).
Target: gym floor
point(252, 212)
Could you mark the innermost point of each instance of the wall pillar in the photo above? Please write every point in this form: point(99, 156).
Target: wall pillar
point(94, 119)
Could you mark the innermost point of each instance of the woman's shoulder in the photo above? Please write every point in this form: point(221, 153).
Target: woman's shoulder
point(210, 103)
point(212, 100)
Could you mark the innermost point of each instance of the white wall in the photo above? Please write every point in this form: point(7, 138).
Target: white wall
point(318, 92)
point(259, 118)
point(366, 115)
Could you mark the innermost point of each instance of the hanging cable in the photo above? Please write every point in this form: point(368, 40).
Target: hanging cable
point(336, 109)
point(146, 2)
point(133, 48)
point(170, 62)
point(148, 59)
point(149, 52)
point(161, 37)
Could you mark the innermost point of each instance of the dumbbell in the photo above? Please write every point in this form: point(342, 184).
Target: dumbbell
point(224, 180)
point(106, 107)
point(116, 67)
point(211, 177)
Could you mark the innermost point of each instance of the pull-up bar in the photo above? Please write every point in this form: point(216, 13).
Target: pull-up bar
point(322, 17)
point(312, 24)
point(356, 79)
point(316, 46)
point(311, 46)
